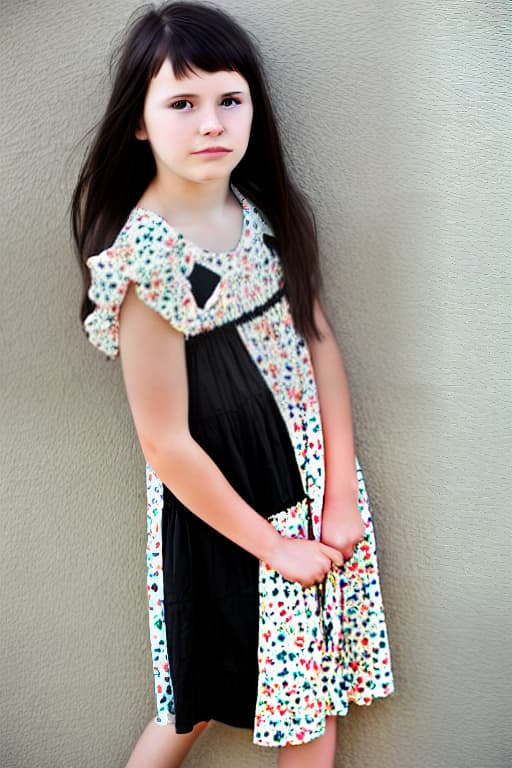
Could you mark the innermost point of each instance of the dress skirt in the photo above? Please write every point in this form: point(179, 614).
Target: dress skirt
point(232, 639)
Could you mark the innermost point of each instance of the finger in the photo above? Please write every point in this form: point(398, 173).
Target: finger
point(333, 554)
point(330, 552)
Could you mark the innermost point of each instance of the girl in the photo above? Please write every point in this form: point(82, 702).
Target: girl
point(201, 270)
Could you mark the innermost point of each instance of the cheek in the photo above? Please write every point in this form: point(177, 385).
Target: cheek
point(179, 132)
point(242, 125)
point(169, 132)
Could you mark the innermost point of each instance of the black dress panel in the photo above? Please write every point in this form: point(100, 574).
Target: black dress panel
point(211, 609)
point(210, 583)
point(234, 416)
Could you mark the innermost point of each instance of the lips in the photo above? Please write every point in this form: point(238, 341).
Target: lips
point(209, 150)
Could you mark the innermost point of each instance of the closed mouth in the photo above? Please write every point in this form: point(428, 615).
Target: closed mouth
point(211, 149)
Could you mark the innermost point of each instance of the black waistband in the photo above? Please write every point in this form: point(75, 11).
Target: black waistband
point(246, 316)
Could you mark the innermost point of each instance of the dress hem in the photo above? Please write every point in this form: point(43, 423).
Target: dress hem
point(305, 735)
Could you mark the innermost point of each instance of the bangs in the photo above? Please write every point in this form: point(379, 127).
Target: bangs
point(190, 46)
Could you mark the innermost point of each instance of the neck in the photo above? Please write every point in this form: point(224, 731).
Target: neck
point(181, 197)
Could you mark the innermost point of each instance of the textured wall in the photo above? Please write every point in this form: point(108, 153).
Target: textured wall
point(396, 116)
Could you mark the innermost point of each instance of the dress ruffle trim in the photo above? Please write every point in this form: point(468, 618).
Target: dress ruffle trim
point(111, 273)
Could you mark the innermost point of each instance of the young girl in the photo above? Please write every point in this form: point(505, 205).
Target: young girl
point(201, 270)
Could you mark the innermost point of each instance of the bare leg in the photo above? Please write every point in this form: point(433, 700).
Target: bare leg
point(161, 747)
point(319, 753)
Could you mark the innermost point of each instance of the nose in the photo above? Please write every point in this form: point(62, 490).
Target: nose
point(211, 125)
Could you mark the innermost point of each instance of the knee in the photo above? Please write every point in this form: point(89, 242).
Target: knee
point(201, 726)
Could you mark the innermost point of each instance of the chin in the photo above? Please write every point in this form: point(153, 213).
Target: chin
point(216, 172)
point(214, 177)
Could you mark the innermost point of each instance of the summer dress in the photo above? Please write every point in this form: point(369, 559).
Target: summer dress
point(231, 639)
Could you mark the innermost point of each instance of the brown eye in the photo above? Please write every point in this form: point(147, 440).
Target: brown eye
point(231, 99)
point(179, 105)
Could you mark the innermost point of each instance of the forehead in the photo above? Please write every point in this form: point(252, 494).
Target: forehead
point(200, 82)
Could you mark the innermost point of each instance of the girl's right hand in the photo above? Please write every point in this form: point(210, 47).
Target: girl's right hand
point(304, 560)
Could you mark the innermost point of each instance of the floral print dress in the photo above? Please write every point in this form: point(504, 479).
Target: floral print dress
point(231, 639)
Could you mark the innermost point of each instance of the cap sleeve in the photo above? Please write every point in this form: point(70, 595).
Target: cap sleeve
point(111, 274)
point(151, 263)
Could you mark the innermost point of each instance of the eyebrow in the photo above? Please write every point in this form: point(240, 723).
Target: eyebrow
point(196, 95)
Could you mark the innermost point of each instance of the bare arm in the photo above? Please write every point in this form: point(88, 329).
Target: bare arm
point(335, 409)
point(154, 370)
point(342, 526)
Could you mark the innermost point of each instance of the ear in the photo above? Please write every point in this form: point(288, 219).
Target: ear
point(140, 131)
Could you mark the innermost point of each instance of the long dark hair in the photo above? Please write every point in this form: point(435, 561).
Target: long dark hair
point(118, 168)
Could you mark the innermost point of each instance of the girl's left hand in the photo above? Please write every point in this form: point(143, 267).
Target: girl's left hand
point(342, 526)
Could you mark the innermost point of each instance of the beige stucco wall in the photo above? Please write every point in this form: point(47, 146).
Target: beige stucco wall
point(397, 117)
